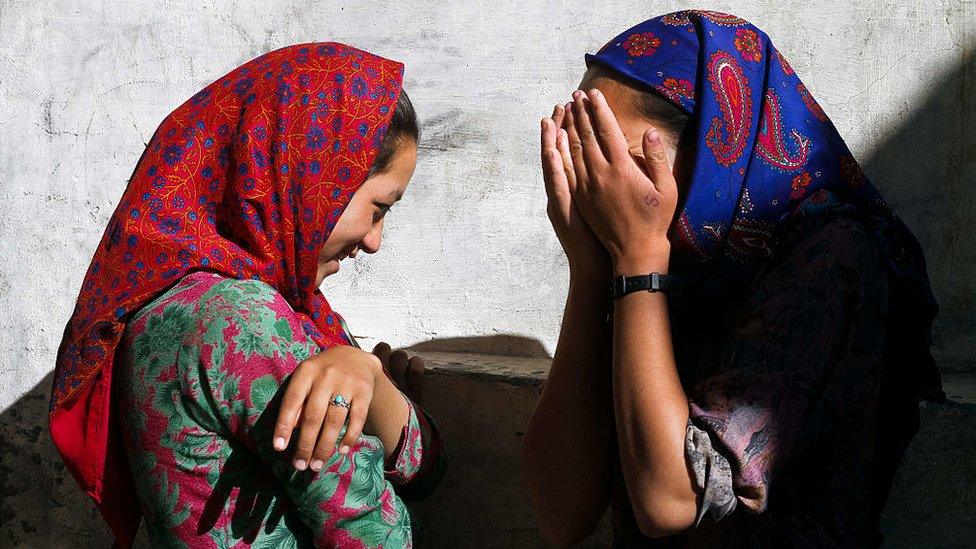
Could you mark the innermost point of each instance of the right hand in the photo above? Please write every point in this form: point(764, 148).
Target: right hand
point(588, 259)
point(344, 370)
point(407, 372)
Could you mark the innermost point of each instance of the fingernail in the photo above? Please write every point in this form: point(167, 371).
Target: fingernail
point(594, 92)
point(653, 136)
point(279, 443)
point(577, 94)
point(569, 105)
point(317, 464)
point(300, 464)
point(343, 449)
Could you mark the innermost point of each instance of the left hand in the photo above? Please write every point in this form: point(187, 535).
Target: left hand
point(630, 207)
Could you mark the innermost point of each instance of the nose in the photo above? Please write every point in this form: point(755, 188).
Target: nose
point(371, 242)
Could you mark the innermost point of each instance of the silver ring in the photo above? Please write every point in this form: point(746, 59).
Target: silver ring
point(339, 400)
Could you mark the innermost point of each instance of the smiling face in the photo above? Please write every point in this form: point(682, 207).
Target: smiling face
point(360, 227)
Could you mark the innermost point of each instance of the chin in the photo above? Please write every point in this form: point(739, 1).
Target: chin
point(327, 270)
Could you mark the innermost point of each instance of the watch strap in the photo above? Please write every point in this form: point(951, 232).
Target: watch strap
point(653, 282)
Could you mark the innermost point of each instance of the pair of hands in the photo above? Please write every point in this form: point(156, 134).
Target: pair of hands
point(353, 373)
point(610, 210)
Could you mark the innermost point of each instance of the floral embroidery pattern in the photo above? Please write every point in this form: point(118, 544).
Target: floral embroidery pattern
point(644, 43)
point(199, 384)
point(770, 143)
point(677, 89)
point(798, 187)
point(727, 137)
point(747, 42)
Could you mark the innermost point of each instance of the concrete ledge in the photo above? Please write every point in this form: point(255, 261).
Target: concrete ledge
point(482, 404)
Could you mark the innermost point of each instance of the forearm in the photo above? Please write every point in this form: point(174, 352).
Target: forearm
point(571, 424)
point(651, 410)
point(388, 414)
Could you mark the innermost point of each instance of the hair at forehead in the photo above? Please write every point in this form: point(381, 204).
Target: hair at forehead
point(652, 105)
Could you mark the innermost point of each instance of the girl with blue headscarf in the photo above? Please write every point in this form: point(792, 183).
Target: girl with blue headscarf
point(765, 391)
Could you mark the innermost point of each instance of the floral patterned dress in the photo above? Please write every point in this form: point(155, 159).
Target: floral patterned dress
point(198, 392)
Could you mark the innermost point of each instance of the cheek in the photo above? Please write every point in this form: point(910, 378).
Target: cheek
point(349, 230)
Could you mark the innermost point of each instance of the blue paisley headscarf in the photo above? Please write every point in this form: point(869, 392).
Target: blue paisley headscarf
point(764, 153)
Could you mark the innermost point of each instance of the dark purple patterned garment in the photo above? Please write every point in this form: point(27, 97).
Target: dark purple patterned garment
point(796, 423)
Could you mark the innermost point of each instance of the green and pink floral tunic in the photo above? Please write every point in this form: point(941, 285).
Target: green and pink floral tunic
point(198, 390)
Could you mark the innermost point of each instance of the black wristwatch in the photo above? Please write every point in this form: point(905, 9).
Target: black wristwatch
point(654, 282)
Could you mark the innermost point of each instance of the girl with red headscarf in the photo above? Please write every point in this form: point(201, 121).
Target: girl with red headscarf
point(200, 338)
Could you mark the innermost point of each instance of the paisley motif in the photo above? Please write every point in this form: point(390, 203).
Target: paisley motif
point(727, 137)
point(851, 173)
point(770, 143)
point(811, 103)
point(724, 19)
point(749, 239)
point(783, 63)
point(676, 19)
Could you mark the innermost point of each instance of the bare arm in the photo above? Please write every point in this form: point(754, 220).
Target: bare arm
point(630, 210)
point(571, 424)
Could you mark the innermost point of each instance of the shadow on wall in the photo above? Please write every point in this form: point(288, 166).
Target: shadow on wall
point(42, 504)
point(926, 169)
point(920, 168)
point(501, 344)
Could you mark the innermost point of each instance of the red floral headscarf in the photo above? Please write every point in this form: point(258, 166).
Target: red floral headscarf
point(246, 179)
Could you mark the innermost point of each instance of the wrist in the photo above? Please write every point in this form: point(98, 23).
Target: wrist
point(589, 278)
point(386, 396)
point(651, 258)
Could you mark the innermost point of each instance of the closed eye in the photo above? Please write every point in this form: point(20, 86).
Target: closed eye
point(382, 208)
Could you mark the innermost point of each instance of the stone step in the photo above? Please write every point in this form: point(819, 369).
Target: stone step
point(482, 404)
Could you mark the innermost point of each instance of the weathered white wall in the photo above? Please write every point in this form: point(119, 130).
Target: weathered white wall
point(469, 251)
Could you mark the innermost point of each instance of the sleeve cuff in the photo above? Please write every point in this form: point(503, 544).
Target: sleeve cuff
point(711, 474)
point(404, 462)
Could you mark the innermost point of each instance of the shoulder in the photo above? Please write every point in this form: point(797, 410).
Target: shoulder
point(212, 296)
point(825, 249)
point(207, 304)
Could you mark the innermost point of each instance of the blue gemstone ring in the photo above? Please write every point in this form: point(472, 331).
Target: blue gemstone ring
point(340, 400)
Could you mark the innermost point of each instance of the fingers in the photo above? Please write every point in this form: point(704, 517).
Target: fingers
point(562, 145)
point(592, 153)
point(608, 131)
point(575, 149)
point(415, 378)
point(382, 351)
point(335, 418)
point(291, 406)
point(313, 416)
point(551, 166)
point(558, 114)
point(656, 160)
point(356, 419)
point(398, 367)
